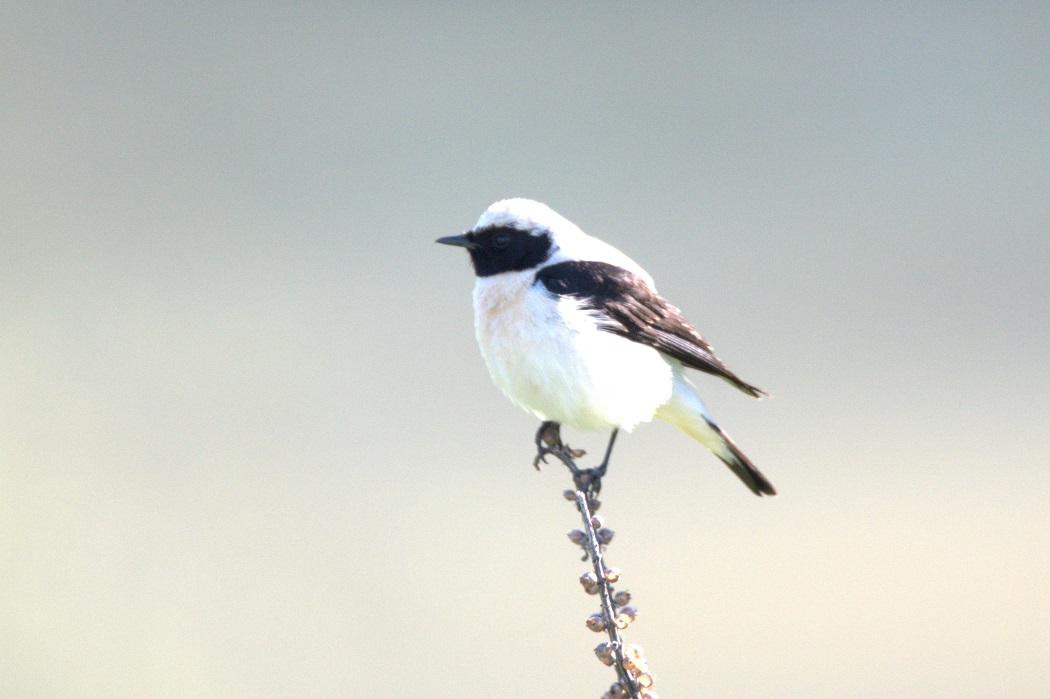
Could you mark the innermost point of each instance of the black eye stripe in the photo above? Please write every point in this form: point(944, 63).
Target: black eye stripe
point(506, 248)
point(494, 233)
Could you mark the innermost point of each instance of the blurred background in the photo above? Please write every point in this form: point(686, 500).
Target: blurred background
point(248, 447)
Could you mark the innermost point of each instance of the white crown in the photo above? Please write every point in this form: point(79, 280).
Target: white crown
point(570, 242)
point(526, 215)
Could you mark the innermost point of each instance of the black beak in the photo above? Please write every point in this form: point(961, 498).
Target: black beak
point(461, 241)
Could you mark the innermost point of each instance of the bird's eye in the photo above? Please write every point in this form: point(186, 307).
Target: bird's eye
point(501, 240)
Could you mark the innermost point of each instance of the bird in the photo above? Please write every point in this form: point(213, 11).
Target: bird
point(573, 331)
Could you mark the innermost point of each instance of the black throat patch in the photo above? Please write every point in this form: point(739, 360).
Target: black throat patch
point(499, 249)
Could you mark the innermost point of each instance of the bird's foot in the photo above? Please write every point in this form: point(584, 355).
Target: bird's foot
point(548, 442)
point(589, 480)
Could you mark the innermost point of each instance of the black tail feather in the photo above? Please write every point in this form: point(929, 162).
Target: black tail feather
point(739, 464)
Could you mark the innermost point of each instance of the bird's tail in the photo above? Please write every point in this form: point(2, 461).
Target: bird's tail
point(686, 411)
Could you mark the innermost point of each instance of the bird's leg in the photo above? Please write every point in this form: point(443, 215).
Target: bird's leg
point(548, 433)
point(548, 441)
point(591, 479)
point(600, 470)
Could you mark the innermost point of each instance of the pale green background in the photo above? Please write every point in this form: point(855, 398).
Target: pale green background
point(248, 447)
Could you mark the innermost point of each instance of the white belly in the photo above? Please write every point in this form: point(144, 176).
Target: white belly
point(548, 357)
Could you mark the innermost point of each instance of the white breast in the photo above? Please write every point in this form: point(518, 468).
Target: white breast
point(548, 356)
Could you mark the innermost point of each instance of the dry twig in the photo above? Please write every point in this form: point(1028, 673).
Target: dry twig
point(634, 679)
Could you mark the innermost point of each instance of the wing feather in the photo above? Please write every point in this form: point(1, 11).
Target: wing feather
point(625, 305)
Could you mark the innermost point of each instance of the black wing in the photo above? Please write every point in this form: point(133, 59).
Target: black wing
point(626, 306)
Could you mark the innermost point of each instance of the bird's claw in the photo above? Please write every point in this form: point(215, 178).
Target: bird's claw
point(589, 480)
point(561, 451)
point(548, 443)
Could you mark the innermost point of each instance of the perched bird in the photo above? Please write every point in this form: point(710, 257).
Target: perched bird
point(573, 331)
